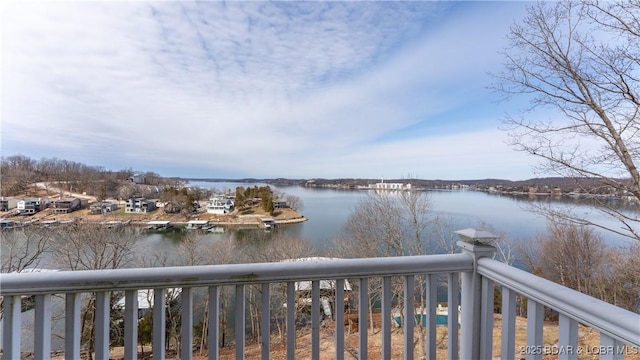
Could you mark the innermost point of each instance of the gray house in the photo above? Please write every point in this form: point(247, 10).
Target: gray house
point(280, 204)
point(138, 179)
point(139, 205)
point(103, 207)
point(7, 204)
point(66, 205)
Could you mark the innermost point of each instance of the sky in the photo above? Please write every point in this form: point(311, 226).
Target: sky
point(260, 89)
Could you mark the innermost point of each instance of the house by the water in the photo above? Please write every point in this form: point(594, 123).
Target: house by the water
point(139, 205)
point(103, 207)
point(66, 205)
point(32, 205)
point(220, 206)
point(7, 204)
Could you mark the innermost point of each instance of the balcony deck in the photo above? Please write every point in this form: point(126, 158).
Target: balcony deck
point(471, 278)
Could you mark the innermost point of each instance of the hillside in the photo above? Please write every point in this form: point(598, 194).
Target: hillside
point(559, 182)
point(246, 217)
point(588, 344)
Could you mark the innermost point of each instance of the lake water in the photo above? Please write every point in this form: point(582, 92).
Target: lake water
point(329, 209)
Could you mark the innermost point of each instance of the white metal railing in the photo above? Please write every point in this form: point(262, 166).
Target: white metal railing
point(617, 326)
point(474, 267)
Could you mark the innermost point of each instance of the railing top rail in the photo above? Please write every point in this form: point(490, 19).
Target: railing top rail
point(611, 320)
point(194, 276)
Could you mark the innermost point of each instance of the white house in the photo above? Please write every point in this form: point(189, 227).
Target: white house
point(220, 206)
point(32, 205)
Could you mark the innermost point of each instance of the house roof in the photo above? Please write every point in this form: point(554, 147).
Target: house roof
point(66, 199)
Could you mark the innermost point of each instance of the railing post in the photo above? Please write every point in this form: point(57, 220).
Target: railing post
point(432, 303)
point(409, 316)
point(42, 329)
point(535, 325)
point(291, 320)
point(339, 319)
point(186, 324)
point(472, 300)
point(214, 323)
point(131, 324)
point(103, 310)
point(386, 317)
point(72, 326)
point(11, 327)
point(265, 321)
point(363, 318)
point(612, 349)
point(159, 323)
point(486, 319)
point(508, 336)
point(240, 321)
point(567, 338)
point(315, 319)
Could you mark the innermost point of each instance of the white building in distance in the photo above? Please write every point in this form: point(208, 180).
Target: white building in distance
point(389, 186)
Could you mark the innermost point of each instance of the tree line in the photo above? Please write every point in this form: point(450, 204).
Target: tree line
point(252, 196)
point(20, 174)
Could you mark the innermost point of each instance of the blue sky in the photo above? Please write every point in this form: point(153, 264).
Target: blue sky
point(260, 89)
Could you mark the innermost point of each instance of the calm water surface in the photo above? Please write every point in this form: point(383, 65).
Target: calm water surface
point(329, 209)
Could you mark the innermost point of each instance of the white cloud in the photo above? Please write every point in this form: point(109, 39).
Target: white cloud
point(313, 88)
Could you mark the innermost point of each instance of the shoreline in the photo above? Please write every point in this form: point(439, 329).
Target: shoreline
point(119, 217)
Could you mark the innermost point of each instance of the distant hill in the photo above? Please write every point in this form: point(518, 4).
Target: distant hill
point(560, 182)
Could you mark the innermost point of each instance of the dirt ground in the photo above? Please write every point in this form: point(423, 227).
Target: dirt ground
point(588, 342)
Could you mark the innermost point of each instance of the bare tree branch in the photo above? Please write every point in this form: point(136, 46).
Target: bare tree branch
point(581, 60)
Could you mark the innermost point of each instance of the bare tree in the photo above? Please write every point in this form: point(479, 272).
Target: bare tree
point(626, 276)
point(575, 256)
point(294, 202)
point(23, 248)
point(375, 228)
point(442, 233)
point(417, 206)
point(581, 60)
point(18, 173)
point(279, 248)
point(191, 250)
point(389, 224)
point(273, 249)
point(91, 247)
